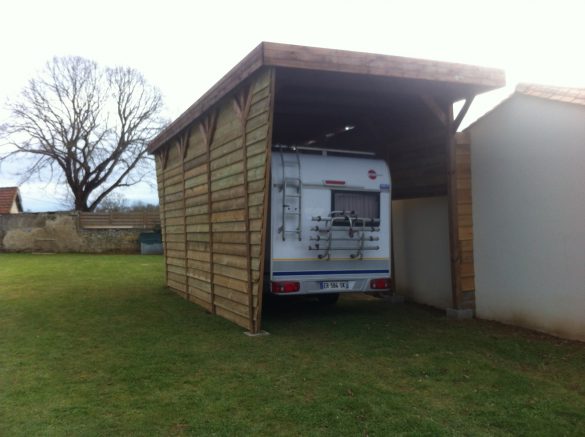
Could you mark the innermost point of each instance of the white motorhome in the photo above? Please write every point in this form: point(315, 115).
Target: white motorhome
point(329, 223)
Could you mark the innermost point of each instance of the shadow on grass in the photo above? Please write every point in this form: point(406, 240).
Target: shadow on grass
point(282, 309)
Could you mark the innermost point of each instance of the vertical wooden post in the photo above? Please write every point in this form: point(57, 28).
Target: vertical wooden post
point(465, 221)
point(242, 102)
point(163, 157)
point(452, 200)
point(183, 145)
point(265, 210)
point(207, 127)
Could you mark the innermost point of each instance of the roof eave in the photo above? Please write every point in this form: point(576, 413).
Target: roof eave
point(244, 69)
point(344, 61)
point(268, 54)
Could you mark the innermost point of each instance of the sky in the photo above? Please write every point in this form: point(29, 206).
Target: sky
point(184, 47)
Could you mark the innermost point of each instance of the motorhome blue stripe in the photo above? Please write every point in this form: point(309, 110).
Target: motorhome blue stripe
point(328, 272)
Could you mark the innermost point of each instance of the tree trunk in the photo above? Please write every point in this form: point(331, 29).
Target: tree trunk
point(81, 202)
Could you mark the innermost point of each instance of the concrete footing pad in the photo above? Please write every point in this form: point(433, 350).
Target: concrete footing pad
point(459, 314)
point(257, 334)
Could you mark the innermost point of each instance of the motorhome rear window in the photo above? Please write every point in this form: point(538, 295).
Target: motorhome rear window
point(362, 204)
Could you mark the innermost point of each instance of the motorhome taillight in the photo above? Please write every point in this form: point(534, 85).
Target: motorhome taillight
point(334, 182)
point(380, 284)
point(286, 287)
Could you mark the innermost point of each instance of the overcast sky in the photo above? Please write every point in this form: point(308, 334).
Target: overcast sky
point(185, 47)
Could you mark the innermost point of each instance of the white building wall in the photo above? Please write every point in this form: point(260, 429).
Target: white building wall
point(421, 250)
point(14, 208)
point(528, 178)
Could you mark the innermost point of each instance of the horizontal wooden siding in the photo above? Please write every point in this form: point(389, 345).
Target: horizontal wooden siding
point(212, 187)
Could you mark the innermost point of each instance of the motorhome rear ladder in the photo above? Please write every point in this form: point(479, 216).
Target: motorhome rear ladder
point(291, 202)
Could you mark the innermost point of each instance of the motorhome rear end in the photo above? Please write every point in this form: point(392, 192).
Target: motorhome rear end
point(329, 223)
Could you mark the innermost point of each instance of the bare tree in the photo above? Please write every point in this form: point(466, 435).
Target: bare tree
point(113, 202)
point(86, 125)
point(116, 202)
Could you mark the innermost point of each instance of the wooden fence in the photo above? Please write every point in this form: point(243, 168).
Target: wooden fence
point(119, 220)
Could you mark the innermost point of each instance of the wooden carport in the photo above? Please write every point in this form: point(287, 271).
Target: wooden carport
point(213, 161)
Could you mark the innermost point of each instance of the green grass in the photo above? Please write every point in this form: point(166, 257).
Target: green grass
point(95, 345)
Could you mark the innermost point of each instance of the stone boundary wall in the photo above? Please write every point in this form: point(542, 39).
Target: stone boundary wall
point(60, 232)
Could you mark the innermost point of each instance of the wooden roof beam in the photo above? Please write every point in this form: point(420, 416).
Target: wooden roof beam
point(435, 108)
point(450, 76)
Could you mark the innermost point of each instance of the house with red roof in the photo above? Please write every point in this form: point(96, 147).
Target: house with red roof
point(528, 189)
point(10, 200)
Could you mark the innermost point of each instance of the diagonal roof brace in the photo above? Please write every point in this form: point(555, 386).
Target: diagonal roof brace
point(462, 113)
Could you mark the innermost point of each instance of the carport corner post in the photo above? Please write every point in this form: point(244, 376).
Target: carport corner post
point(452, 205)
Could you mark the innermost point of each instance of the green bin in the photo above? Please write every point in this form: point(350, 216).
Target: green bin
point(150, 243)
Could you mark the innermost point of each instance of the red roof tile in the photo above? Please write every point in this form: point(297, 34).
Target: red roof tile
point(561, 94)
point(9, 195)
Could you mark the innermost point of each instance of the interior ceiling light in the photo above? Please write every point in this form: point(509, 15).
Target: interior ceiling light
point(341, 130)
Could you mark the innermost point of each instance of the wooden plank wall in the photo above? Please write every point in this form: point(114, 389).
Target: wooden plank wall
point(465, 267)
point(212, 183)
point(119, 220)
point(418, 166)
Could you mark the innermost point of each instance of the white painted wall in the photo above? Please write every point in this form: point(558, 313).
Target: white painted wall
point(14, 208)
point(421, 250)
point(528, 177)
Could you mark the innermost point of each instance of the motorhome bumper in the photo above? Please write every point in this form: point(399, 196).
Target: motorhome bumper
point(329, 285)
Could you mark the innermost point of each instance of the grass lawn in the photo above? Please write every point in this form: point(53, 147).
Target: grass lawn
point(95, 345)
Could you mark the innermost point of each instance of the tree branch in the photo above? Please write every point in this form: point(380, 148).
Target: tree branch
point(90, 123)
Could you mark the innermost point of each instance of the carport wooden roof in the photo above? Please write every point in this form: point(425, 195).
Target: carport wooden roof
point(461, 81)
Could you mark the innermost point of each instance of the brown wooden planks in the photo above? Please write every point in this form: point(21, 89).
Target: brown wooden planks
point(240, 72)
point(463, 221)
point(261, 187)
point(213, 192)
point(293, 56)
point(141, 220)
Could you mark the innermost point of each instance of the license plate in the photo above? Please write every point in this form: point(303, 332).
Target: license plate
point(335, 285)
